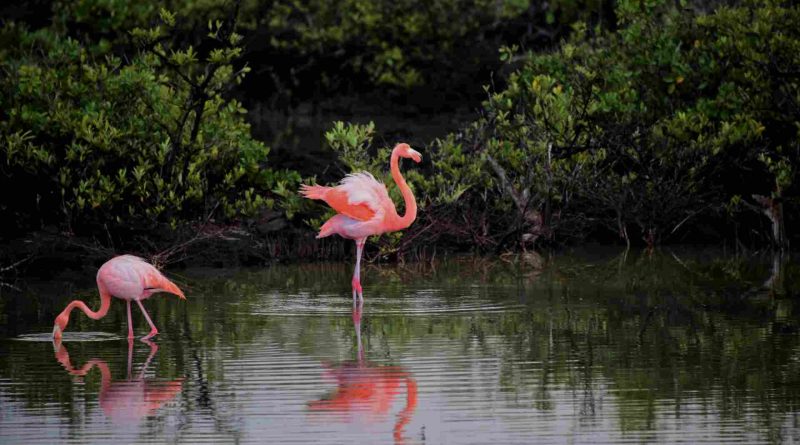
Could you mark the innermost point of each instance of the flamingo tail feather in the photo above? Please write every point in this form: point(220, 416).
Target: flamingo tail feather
point(313, 191)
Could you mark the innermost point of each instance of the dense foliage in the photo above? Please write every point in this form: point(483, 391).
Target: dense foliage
point(312, 49)
point(400, 45)
point(679, 122)
point(94, 139)
point(633, 121)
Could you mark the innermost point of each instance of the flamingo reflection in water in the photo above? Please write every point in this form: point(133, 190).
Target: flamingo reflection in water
point(125, 401)
point(367, 388)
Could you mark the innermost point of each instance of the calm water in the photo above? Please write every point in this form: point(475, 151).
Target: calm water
point(601, 348)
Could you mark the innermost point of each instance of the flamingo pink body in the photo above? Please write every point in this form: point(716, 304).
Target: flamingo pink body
point(364, 207)
point(129, 278)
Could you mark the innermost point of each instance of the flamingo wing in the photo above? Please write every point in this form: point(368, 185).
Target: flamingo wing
point(127, 276)
point(359, 196)
point(362, 189)
point(339, 201)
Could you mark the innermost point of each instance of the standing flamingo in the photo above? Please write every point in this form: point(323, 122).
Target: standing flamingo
point(127, 277)
point(364, 207)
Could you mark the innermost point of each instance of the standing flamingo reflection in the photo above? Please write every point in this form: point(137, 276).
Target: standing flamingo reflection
point(130, 400)
point(364, 207)
point(129, 278)
point(369, 389)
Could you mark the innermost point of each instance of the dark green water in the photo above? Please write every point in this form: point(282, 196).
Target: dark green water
point(594, 348)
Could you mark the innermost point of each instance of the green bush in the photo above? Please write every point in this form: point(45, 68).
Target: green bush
point(676, 118)
point(93, 138)
point(325, 47)
point(653, 126)
point(399, 44)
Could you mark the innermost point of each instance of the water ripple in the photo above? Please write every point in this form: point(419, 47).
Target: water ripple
point(69, 336)
point(272, 361)
point(429, 304)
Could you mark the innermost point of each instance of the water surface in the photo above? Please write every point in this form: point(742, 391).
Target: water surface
point(593, 348)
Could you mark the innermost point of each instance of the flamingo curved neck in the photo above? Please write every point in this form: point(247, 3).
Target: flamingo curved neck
point(408, 197)
point(105, 304)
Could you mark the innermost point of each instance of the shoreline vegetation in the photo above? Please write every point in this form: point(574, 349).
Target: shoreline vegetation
point(632, 123)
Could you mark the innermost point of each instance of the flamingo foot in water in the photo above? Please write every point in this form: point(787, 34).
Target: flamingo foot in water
point(153, 330)
point(153, 333)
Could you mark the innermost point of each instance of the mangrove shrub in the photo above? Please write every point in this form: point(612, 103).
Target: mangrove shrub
point(674, 121)
point(677, 117)
point(97, 138)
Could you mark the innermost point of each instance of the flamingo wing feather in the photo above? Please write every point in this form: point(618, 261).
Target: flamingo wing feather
point(359, 196)
point(129, 275)
point(362, 189)
point(340, 201)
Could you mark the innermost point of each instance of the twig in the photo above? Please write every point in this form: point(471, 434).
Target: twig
point(12, 266)
point(520, 201)
point(11, 286)
point(687, 218)
point(163, 258)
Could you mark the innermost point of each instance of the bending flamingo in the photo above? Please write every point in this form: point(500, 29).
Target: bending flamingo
point(126, 277)
point(364, 207)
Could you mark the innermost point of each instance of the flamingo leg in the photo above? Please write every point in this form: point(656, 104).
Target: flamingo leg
point(130, 322)
point(153, 330)
point(357, 273)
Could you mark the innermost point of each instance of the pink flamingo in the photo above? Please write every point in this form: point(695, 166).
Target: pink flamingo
point(364, 207)
point(127, 277)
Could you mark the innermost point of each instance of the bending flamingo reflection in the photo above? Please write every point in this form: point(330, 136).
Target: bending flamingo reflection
point(367, 388)
point(126, 401)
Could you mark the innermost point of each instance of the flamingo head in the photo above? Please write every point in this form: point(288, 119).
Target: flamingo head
point(405, 151)
point(60, 325)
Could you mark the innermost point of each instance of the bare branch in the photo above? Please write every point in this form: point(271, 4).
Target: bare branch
point(519, 200)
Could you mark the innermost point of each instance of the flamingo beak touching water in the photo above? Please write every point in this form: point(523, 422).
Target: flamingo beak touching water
point(128, 278)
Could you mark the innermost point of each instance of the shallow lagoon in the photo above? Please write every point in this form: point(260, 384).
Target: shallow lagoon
point(677, 346)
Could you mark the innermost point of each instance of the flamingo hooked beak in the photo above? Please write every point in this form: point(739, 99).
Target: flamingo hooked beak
point(415, 155)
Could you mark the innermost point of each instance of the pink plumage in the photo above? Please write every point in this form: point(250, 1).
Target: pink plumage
point(363, 188)
point(364, 207)
point(128, 278)
point(132, 278)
